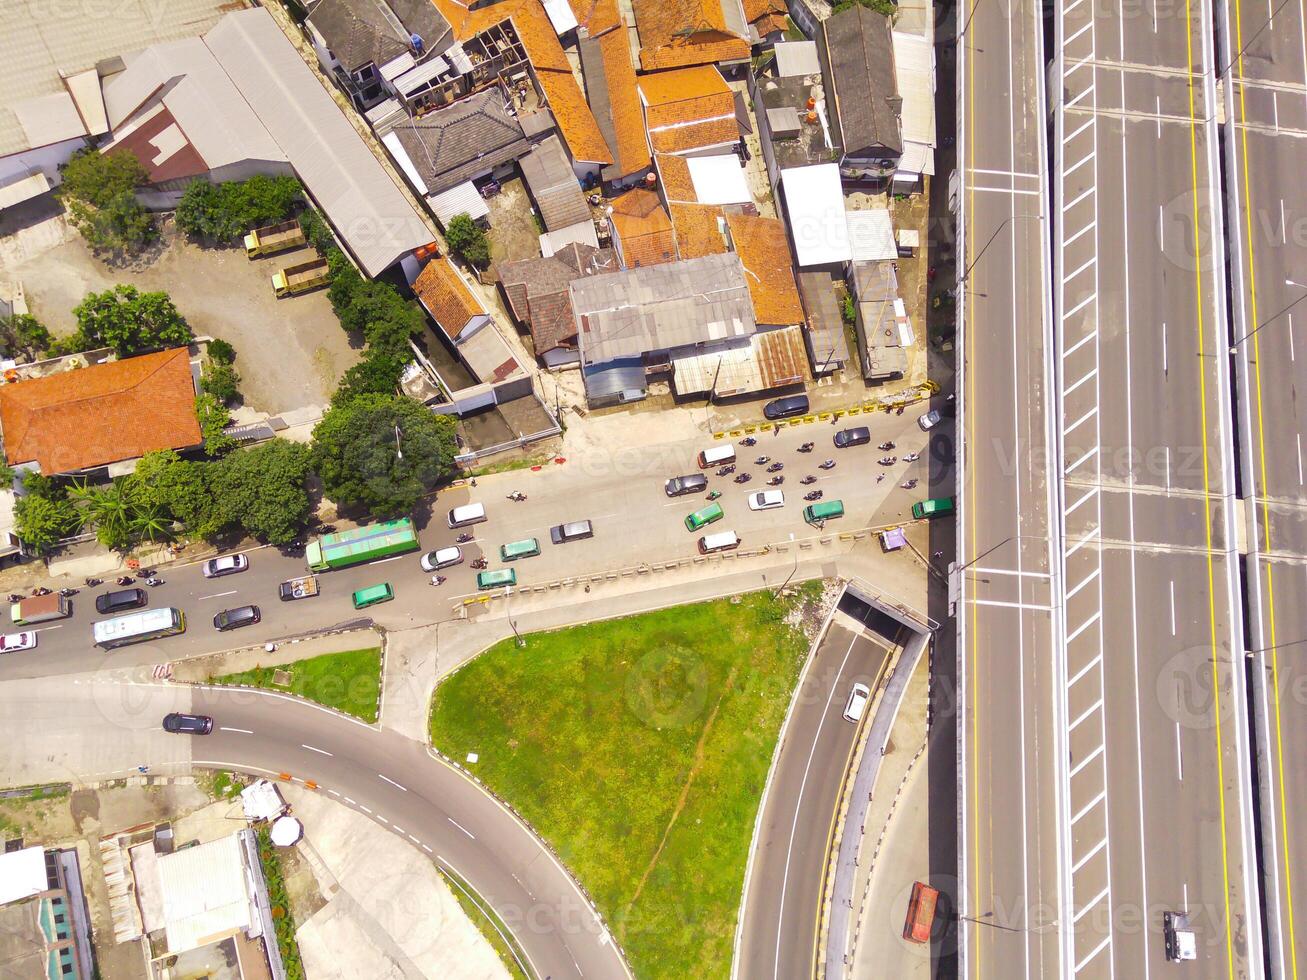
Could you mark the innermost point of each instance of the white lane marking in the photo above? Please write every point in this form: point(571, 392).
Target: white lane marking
point(398, 829)
point(334, 793)
point(45, 629)
point(1284, 238)
point(1168, 468)
point(384, 560)
point(243, 731)
point(1161, 229)
point(1080, 765)
point(1157, 98)
point(1088, 712)
point(1102, 795)
point(392, 782)
point(217, 595)
point(1007, 190)
point(349, 800)
point(461, 827)
point(1275, 109)
point(1094, 952)
point(1005, 173)
point(1291, 355)
point(1094, 850)
point(427, 849)
point(364, 808)
point(383, 819)
point(314, 748)
point(1085, 625)
point(1089, 905)
point(1083, 340)
point(1297, 438)
point(1179, 754)
point(1083, 582)
point(1082, 672)
point(1173, 607)
point(1166, 369)
point(1185, 885)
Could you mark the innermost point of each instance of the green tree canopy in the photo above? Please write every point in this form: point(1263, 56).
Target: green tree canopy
point(265, 488)
point(377, 374)
point(24, 336)
point(213, 417)
point(42, 521)
point(130, 321)
point(185, 489)
point(224, 212)
point(466, 238)
point(99, 191)
point(355, 452)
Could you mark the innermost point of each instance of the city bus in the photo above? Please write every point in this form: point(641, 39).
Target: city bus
point(527, 548)
point(353, 547)
point(494, 580)
point(823, 511)
point(713, 512)
point(137, 627)
point(933, 507)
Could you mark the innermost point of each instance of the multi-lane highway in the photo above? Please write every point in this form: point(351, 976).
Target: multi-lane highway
point(1009, 847)
point(1264, 50)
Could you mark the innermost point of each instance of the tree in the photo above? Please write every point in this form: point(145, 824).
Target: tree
point(108, 509)
point(220, 380)
point(99, 191)
point(466, 238)
point(364, 460)
point(376, 310)
point(265, 487)
point(24, 336)
point(43, 522)
point(377, 374)
point(184, 489)
point(224, 212)
point(130, 321)
point(221, 352)
point(213, 418)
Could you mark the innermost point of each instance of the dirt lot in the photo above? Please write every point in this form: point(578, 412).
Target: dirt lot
point(290, 352)
point(514, 227)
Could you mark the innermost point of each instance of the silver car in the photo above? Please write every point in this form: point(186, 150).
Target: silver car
point(226, 565)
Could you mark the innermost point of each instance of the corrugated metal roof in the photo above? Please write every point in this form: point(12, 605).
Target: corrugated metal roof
point(773, 359)
point(796, 58)
point(871, 235)
point(914, 65)
point(204, 893)
point(553, 184)
point(814, 200)
point(463, 198)
point(372, 216)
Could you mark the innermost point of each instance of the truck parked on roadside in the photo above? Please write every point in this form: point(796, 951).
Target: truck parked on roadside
point(271, 239)
point(361, 544)
point(301, 277)
point(298, 588)
point(40, 609)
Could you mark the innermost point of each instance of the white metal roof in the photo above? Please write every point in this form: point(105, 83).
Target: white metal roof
point(401, 157)
point(373, 217)
point(719, 179)
point(462, 198)
point(582, 233)
point(22, 874)
point(871, 235)
point(814, 199)
point(796, 58)
point(205, 896)
point(560, 15)
point(914, 64)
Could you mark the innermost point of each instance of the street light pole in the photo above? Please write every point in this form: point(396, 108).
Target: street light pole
point(1234, 348)
point(966, 273)
point(399, 453)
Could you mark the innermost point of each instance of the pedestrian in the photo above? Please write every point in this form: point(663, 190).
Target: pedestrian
point(776, 429)
point(142, 769)
point(937, 554)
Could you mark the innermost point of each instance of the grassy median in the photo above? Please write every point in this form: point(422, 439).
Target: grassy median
point(639, 748)
point(348, 681)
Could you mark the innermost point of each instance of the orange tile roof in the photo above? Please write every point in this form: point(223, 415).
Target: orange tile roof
point(688, 109)
point(674, 173)
point(644, 230)
point(663, 44)
point(598, 17)
point(756, 10)
point(632, 148)
point(768, 268)
point(576, 123)
point(93, 416)
point(682, 139)
point(680, 85)
point(697, 230)
point(446, 297)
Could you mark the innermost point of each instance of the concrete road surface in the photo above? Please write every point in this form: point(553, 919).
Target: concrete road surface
point(1267, 229)
point(782, 904)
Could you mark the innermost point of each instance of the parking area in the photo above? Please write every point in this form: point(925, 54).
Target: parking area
point(290, 353)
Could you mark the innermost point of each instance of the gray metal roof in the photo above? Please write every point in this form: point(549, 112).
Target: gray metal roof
point(795, 58)
point(825, 325)
point(373, 218)
point(360, 32)
point(553, 184)
point(463, 140)
point(859, 56)
point(661, 307)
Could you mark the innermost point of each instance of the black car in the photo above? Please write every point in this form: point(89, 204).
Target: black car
point(692, 483)
point(575, 531)
point(180, 724)
point(230, 619)
point(784, 408)
point(112, 602)
point(857, 436)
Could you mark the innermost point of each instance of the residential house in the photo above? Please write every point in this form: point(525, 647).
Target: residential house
point(883, 330)
point(828, 347)
point(789, 98)
point(537, 291)
point(445, 151)
point(914, 65)
point(367, 45)
point(764, 252)
point(700, 229)
point(50, 97)
point(553, 186)
point(45, 928)
point(680, 33)
point(610, 88)
point(641, 230)
point(717, 179)
point(690, 111)
point(88, 421)
point(768, 20)
point(857, 57)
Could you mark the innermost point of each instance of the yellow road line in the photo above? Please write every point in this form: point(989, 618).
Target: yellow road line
point(1266, 507)
point(1207, 487)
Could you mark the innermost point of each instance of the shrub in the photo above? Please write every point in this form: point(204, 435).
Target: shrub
point(99, 191)
point(223, 212)
point(466, 238)
point(222, 352)
point(221, 380)
point(130, 321)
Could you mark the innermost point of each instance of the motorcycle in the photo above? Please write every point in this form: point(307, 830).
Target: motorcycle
point(908, 485)
point(748, 441)
point(808, 480)
point(815, 495)
point(826, 465)
point(153, 581)
point(15, 597)
point(479, 563)
point(886, 461)
point(93, 582)
point(517, 495)
point(775, 467)
point(775, 481)
point(762, 461)
point(437, 580)
point(911, 457)
point(880, 477)
point(40, 590)
point(743, 478)
point(806, 447)
point(67, 592)
point(714, 495)
point(463, 538)
point(726, 470)
point(124, 580)
point(885, 446)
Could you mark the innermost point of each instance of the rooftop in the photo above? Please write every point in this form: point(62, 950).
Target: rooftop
point(446, 297)
point(814, 201)
point(204, 891)
point(676, 304)
point(678, 33)
point(643, 229)
point(44, 48)
point(700, 230)
point(688, 109)
point(771, 359)
point(91, 416)
point(796, 140)
point(597, 16)
point(768, 268)
point(553, 185)
point(361, 32)
point(537, 291)
point(611, 90)
point(856, 46)
point(766, 16)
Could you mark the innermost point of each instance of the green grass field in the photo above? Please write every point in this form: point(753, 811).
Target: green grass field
point(639, 748)
point(348, 681)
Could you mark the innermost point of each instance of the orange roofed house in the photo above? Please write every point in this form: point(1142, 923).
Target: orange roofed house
point(641, 230)
point(102, 417)
point(690, 111)
point(678, 33)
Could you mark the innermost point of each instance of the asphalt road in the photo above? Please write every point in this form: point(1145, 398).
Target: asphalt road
point(622, 495)
point(782, 905)
point(1153, 724)
point(1009, 841)
point(1266, 102)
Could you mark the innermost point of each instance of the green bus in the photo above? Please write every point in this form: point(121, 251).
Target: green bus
point(713, 512)
point(372, 595)
point(345, 548)
point(527, 548)
point(823, 511)
point(499, 577)
point(932, 507)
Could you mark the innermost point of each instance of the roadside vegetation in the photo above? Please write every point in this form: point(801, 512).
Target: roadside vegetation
point(639, 749)
point(348, 681)
point(489, 924)
point(279, 899)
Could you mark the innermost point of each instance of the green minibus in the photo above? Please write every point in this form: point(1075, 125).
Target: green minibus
point(499, 577)
point(823, 511)
point(713, 512)
point(527, 548)
point(372, 595)
point(932, 507)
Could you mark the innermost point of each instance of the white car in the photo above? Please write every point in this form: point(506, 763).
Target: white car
point(766, 500)
point(858, 698)
point(441, 558)
point(25, 640)
point(226, 565)
point(929, 420)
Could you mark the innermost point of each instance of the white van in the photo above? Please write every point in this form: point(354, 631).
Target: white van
point(722, 541)
point(467, 514)
point(717, 456)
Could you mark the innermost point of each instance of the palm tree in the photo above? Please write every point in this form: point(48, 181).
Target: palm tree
point(149, 521)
